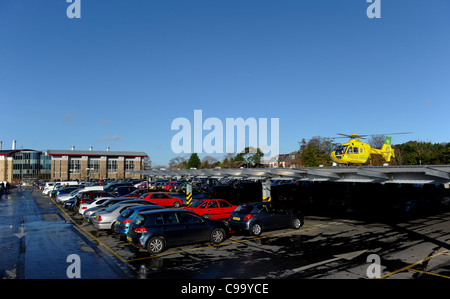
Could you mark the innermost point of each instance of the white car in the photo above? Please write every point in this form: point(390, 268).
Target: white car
point(63, 198)
point(93, 203)
point(47, 190)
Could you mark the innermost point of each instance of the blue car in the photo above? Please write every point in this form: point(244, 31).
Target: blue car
point(158, 229)
point(257, 217)
point(123, 221)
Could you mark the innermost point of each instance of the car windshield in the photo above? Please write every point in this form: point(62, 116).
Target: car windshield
point(108, 203)
point(139, 219)
point(197, 203)
point(127, 213)
point(74, 192)
point(244, 209)
point(111, 208)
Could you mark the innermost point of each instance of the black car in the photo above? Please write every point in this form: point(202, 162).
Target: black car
point(123, 190)
point(158, 229)
point(263, 216)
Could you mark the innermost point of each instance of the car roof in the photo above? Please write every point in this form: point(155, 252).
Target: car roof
point(164, 211)
point(140, 207)
point(259, 203)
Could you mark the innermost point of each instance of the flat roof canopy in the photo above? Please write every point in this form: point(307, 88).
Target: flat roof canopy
point(425, 174)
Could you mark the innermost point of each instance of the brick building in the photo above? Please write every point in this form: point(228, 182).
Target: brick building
point(84, 165)
point(26, 165)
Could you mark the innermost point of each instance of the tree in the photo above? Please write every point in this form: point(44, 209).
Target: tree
point(177, 163)
point(251, 156)
point(209, 162)
point(316, 151)
point(147, 163)
point(422, 153)
point(193, 162)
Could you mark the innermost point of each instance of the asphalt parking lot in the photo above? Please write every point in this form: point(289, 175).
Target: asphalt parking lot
point(37, 236)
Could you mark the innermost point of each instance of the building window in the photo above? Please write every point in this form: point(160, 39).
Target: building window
point(74, 166)
point(129, 165)
point(94, 165)
point(112, 166)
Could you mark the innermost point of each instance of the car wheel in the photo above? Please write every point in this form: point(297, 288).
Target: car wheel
point(113, 228)
point(256, 229)
point(296, 223)
point(207, 216)
point(176, 204)
point(155, 245)
point(217, 236)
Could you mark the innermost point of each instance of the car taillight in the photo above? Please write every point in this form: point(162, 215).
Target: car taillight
point(83, 208)
point(99, 218)
point(140, 230)
point(248, 217)
point(126, 221)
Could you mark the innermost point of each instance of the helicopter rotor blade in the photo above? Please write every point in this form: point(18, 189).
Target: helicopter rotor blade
point(393, 133)
point(351, 136)
point(360, 136)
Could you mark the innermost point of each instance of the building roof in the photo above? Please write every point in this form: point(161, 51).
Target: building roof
point(11, 151)
point(96, 153)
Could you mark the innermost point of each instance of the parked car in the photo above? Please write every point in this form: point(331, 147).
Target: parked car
point(162, 199)
point(157, 230)
point(87, 196)
point(263, 216)
point(212, 208)
point(112, 186)
point(104, 205)
point(125, 218)
point(123, 190)
point(65, 197)
point(106, 219)
point(68, 204)
point(137, 193)
point(63, 190)
point(141, 185)
point(93, 203)
point(92, 215)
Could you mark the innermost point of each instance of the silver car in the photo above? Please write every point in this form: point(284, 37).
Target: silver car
point(87, 214)
point(106, 219)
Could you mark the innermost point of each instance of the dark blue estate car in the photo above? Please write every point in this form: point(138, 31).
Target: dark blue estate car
point(263, 216)
point(158, 229)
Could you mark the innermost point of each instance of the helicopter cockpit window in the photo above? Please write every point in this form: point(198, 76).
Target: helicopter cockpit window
point(340, 150)
point(355, 150)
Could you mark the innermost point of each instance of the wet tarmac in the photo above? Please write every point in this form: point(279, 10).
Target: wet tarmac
point(37, 236)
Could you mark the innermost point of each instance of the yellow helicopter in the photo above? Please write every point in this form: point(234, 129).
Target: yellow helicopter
point(357, 152)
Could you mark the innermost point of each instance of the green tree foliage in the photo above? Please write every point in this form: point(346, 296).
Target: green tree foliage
point(422, 153)
point(193, 162)
point(316, 151)
point(251, 156)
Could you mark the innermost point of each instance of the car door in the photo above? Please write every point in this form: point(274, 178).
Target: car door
point(165, 200)
point(213, 210)
point(280, 217)
point(265, 216)
point(155, 198)
point(225, 209)
point(170, 228)
point(194, 227)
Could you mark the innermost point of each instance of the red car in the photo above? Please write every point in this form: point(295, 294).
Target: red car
point(162, 199)
point(137, 193)
point(212, 208)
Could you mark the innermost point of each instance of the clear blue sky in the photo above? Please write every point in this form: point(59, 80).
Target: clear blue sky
point(122, 73)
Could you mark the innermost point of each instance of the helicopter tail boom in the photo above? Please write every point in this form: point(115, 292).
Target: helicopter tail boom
point(386, 151)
